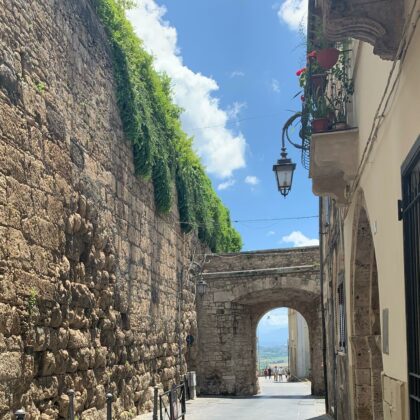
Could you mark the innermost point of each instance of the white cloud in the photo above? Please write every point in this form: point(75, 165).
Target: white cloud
point(297, 238)
point(235, 109)
point(275, 85)
point(221, 150)
point(237, 73)
point(271, 233)
point(251, 180)
point(227, 184)
point(294, 13)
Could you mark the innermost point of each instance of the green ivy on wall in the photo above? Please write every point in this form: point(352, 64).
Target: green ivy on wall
point(162, 150)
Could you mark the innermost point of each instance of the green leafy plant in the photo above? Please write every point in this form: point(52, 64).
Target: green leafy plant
point(162, 150)
point(342, 87)
point(40, 87)
point(320, 107)
point(32, 302)
point(127, 4)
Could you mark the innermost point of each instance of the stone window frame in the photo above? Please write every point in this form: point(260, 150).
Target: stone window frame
point(341, 315)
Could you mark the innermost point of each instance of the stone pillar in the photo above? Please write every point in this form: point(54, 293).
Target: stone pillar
point(315, 341)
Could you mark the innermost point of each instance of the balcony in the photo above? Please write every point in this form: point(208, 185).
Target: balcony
point(377, 22)
point(333, 162)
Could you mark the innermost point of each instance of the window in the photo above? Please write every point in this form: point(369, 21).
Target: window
point(341, 318)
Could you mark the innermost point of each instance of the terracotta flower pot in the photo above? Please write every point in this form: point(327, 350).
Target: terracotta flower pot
point(340, 125)
point(318, 82)
point(327, 57)
point(320, 124)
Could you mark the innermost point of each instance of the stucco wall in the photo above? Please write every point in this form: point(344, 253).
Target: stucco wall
point(380, 185)
point(94, 286)
point(299, 346)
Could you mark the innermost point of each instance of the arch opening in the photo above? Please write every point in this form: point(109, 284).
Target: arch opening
point(366, 325)
point(283, 347)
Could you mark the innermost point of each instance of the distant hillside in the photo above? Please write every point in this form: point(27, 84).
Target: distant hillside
point(272, 356)
point(269, 336)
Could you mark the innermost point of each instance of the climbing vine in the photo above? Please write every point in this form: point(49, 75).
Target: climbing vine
point(162, 150)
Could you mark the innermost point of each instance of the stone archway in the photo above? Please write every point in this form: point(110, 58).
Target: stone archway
point(366, 326)
point(292, 349)
point(242, 287)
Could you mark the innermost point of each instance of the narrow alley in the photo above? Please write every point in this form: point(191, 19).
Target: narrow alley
point(199, 195)
point(277, 400)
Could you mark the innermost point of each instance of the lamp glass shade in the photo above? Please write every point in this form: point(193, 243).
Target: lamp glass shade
point(284, 175)
point(201, 287)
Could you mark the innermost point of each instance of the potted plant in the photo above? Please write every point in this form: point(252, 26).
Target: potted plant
point(327, 57)
point(324, 52)
point(342, 89)
point(318, 77)
point(320, 111)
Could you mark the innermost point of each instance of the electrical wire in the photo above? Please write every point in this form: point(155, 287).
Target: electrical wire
point(278, 219)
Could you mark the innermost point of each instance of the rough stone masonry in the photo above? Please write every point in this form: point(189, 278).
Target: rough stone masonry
point(242, 287)
point(94, 286)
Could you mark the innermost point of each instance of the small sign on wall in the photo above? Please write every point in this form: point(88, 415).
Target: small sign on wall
point(385, 331)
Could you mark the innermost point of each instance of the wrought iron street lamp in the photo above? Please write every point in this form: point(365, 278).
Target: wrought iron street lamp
point(201, 287)
point(284, 169)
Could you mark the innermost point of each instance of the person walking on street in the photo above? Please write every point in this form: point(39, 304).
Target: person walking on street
point(265, 373)
point(281, 373)
point(269, 373)
point(276, 374)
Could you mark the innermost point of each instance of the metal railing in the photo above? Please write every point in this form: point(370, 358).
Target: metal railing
point(172, 404)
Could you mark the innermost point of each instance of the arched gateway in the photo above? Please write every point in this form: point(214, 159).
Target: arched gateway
point(242, 287)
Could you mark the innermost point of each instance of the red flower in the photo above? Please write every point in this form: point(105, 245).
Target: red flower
point(302, 98)
point(312, 54)
point(299, 72)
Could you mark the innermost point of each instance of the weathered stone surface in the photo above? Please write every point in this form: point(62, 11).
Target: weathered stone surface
point(81, 245)
point(10, 366)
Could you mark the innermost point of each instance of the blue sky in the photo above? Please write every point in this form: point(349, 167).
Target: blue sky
point(272, 330)
point(233, 66)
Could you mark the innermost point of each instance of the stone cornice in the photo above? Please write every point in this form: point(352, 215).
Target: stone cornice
point(379, 23)
point(262, 271)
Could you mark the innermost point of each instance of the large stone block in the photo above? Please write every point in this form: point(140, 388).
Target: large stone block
point(10, 366)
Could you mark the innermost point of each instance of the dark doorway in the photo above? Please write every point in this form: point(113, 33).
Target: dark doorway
point(411, 225)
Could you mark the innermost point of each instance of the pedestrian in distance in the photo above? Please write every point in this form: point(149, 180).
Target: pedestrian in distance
point(265, 373)
point(276, 374)
point(281, 373)
point(269, 373)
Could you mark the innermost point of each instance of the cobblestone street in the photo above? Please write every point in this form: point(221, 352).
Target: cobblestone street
point(285, 401)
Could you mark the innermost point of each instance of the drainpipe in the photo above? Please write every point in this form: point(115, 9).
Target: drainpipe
point(324, 336)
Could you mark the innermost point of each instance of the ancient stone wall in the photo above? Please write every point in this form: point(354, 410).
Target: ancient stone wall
point(270, 258)
point(243, 287)
point(94, 286)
